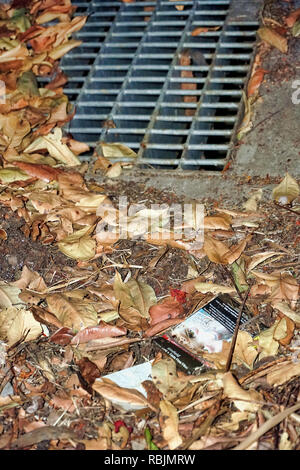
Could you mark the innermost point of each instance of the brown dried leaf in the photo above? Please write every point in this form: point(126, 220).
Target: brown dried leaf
point(71, 312)
point(165, 378)
point(169, 424)
point(220, 253)
point(103, 330)
point(134, 294)
point(168, 308)
point(119, 395)
point(244, 400)
point(272, 37)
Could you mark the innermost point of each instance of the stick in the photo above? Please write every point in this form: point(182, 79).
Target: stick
point(237, 325)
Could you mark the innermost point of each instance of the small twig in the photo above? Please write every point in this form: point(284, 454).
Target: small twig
point(265, 119)
point(281, 206)
point(234, 337)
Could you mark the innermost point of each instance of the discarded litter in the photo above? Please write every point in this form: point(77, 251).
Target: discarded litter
point(204, 330)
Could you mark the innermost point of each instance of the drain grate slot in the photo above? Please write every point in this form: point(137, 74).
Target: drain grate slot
point(171, 96)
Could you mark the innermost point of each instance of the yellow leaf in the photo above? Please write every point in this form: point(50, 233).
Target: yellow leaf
point(9, 175)
point(205, 287)
point(286, 191)
point(79, 245)
point(53, 143)
point(116, 150)
point(273, 38)
point(15, 323)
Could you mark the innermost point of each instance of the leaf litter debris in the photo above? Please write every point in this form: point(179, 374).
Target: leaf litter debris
point(60, 336)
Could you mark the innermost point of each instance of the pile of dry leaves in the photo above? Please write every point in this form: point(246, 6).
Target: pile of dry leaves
point(59, 339)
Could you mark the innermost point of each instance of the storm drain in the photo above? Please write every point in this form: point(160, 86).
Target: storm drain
point(145, 77)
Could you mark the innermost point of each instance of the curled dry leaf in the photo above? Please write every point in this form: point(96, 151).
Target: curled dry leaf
point(169, 424)
point(168, 308)
point(121, 396)
point(255, 82)
point(53, 143)
point(116, 150)
point(79, 245)
point(205, 287)
point(259, 258)
point(284, 308)
point(244, 400)
point(103, 330)
point(9, 295)
point(251, 204)
point(283, 373)
point(43, 172)
point(268, 339)
point(62, 336)
point(30, 280)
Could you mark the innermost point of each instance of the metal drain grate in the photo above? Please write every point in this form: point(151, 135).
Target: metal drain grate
point(130, 70)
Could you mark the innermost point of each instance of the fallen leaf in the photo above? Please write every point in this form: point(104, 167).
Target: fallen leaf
point(15, 323)
point(251, 204)
point(205, 287)
point(99, 331)
point(79, 245)
point(284, 308)
point(220, 253)
point(119, 395)
point(259, 258)
point(9, 175)
point(286, 191)
point(168, 308)
point(134, 294)
point(201, 30)
point(244, 400)
point(292, 18)
point(71, 312)
point(9, 295)
point(165, 378)
point(30, 280)
point(273, 38)
point(283, 373)
point(268, 339)
point(255, 82)
point(116, 150)
point(53, 143)
point(169, 424)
